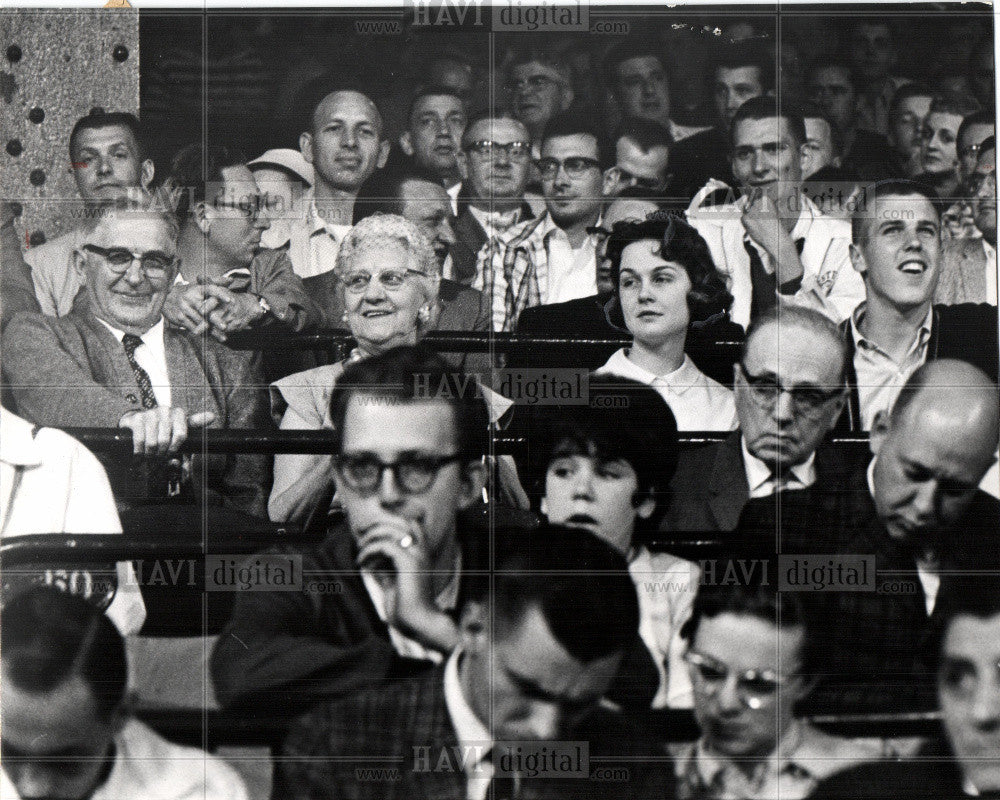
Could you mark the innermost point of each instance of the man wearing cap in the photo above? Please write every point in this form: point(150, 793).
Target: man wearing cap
point(284, 176)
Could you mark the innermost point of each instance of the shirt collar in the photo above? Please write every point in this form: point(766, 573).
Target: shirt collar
point(990, 250)
point(807, 213)
point(549, 228)
point(497, 220)
point(471, 732)
point(317, 224)
point(152, 338)
point(685, 377)
point(785, 758)
point(17, 441)
point(860, 342)
point(759, 473)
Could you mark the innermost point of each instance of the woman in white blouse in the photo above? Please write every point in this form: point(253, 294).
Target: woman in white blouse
point(665, 282)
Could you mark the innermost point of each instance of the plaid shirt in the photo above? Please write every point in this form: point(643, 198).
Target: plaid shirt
point(513, 270)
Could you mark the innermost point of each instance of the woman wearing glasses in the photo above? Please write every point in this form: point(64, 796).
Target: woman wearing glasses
point(388, 276)
point(665, 284)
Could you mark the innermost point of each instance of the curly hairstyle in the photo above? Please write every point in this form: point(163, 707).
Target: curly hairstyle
point(682, 244)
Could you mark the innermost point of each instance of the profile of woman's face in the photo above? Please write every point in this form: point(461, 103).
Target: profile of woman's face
point(386, 310)
point(653, 293)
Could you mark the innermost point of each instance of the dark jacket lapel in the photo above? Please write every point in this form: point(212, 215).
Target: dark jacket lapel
point(728, 490)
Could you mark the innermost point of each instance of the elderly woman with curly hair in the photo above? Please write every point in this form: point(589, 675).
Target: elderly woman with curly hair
point(388, 276)
point(665, 283)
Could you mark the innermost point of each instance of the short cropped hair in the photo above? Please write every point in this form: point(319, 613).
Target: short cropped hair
point(49, 637)
point(876, 191)
point(96, 120)
point(831, 62)
point(624, 420)
point(977, 118)
point(629, 48)
point(378, 230)
point(906, 91)
point(539, 54)
point(961, 596)
point(430, 91)
point(644, 133)
point(577, 123)
point(766, 107)
point(196, 165)
point(681, 243)
point(745, 53)
point(579, 583)
point(487, 114)
point(382, 193)
point(413, 374)
point(803, 318)
point(812, 111)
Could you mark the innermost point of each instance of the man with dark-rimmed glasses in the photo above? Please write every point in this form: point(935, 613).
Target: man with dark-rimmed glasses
point(789, 393)
point(112, 362)
point(378, 592)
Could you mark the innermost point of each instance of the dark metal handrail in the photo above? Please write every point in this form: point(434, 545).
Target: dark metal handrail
point(119, 440)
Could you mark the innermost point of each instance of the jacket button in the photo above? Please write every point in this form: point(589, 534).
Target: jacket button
point(132, 398)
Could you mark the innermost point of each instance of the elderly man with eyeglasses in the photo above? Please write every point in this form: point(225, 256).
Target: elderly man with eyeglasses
point(376, 594)
point(750, 656)
point(789, 393)
point(112, 362)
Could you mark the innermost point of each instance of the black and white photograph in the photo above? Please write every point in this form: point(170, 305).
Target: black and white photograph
point(498, 400)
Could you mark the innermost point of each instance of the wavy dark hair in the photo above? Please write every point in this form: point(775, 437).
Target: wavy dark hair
point(708, 299)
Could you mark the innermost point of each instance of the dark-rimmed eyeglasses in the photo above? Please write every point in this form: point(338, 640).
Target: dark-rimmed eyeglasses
point(631, 179)
point(517, 152)
point(575, 166)
point(806, 400)
point(391, 279)
point(754, 687)
point(414, 473)
point(155, 264)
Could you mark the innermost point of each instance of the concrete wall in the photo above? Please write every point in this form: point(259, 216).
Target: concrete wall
point(55, 66)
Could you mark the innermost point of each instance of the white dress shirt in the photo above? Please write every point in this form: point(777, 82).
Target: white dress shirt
point(474, 739)
point(761, 481)
point(991, 272)
point(829, 283)
point(151, 355)
point(880, 379)
point(698, 402)
point(453, 193)
point(572, 272)
point(314, 243)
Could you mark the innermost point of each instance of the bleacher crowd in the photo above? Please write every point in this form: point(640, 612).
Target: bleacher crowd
point(772, 505)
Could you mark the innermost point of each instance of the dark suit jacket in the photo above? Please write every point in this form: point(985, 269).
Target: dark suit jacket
point(709, 489)
point(17, 290)
point(405, 729)
point(71, 372)
point(289, 650)
point(967, 331)
point(699, 157)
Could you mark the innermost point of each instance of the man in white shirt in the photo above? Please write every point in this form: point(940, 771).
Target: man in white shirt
point(773, 243)
point(346, 145)
point(789, 394)
point(67, 728)
point(108, 162)
point(550, 259)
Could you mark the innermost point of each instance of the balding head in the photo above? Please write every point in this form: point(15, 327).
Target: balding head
point(934, 449)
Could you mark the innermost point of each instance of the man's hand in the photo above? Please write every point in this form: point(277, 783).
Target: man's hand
point(188, 306)
point(161, 430)
point(396, 555)
point(763, 225)
point(236, 311)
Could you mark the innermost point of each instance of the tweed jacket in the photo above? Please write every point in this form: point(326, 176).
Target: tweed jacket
point(963, 273)
point(402, 733)
point(71, 372)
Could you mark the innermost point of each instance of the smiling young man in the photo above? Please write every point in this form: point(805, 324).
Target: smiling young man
point(897, 251)
point(107, 162)
point(553, 258)
point(774, 244)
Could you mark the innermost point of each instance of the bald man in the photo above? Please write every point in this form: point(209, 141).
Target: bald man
point(345, 144)
point(915, 513)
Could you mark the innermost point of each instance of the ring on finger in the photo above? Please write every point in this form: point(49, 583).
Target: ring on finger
point(406, 541)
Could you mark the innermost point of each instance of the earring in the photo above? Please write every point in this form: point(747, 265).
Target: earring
point(343, 317)
point(424, 314)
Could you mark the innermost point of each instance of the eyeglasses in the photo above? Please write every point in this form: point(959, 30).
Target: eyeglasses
point(575, 166)
point(155, 264)
point(518, 152)
point(630, 179)
point(806, 401)
point(533, 82)
point(412, 472)
point(754, 687)
point(391, 279)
